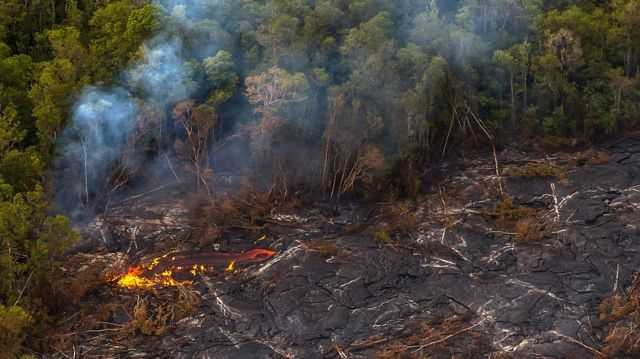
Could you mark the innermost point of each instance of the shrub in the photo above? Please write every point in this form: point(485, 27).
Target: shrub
point(524, 222)
point(395, 218)
point(13, 324)
point(245, 209)
point(536, 169)
point(147, 321)
point(622, 312)
point(31, 243)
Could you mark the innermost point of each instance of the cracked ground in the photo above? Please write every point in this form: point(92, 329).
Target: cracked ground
point(466, 282)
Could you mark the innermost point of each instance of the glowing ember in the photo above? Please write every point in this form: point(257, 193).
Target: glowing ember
point(181, 269)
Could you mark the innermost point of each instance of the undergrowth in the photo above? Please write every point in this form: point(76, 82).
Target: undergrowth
point(394, 219)
point(245, 209)
point(536, 169)
point(622, 314)
point(525, 223)
point(448, 338)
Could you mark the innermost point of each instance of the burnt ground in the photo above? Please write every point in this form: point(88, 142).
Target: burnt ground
point(473, 279)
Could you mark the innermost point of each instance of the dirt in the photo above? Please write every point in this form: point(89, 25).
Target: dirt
point(459, 285)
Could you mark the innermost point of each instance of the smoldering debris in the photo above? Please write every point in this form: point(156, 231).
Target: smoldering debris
point(334, 291)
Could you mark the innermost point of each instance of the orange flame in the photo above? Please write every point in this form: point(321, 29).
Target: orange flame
point(160, 271)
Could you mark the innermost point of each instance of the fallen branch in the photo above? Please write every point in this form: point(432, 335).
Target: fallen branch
point(368, 344)
point(439, 341)
point(144, 194)
point(340, 352)
point(171, 167)
point(556, 207)
point(577, 342)
point(23, 289)
point(495, 160)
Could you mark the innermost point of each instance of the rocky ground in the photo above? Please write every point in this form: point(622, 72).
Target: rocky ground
point(535, 260)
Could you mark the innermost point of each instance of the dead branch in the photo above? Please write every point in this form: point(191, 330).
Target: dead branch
point(577, 342)
point(171, 167)
point(495, 160)
point(556, 207)
point(144, 194)
point(439, 341)
point(23, 289)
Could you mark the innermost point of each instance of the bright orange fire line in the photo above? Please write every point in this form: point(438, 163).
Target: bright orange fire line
point(160, 271)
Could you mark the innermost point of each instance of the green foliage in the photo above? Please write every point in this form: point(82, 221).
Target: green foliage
point(220, 71)
point(16, 74)
point(368, 37)
point(13, 322)
point(56, 81)
point(31, 241)
point(364, 86)
point(10, 133)
point(22, 169)
point(117, 31)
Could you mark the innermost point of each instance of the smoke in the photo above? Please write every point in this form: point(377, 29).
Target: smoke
point(180, 63)
point(163, 76)
point(101, 122)
point(104, 119)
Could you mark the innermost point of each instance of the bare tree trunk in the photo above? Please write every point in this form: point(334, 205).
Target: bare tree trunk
point(627, 62)
point(86, 174)
point(618, 101)
point(53, 11)
point(513, 101)
point(525, 89)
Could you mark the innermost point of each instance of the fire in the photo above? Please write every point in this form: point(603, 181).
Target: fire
point(134, 278)
point(181, 269)
point(197, 269)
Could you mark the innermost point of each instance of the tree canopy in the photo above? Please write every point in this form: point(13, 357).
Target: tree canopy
point(352, 87)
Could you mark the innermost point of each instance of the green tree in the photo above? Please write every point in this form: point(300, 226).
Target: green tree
point(515, 61)
point(627, 32)
point(14, 321)
point(367, 38)
point(117, 31)
point(220, 71)
point(16, 75)
point(279, 36)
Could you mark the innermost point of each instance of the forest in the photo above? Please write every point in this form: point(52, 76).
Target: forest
point(343, 98)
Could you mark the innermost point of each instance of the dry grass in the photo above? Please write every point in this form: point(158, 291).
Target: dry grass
point(622, 312)
point(452, 337)
point(211, 217)
point(156, 317)
point(84, 281)
point(525, 223)
point(325, 248)
point(85, 273)
point(125, 320)
point(500, 355)
point(593, 157)
point(529, 229)
point(393, 219)
point(536, 169)
point(147, 320)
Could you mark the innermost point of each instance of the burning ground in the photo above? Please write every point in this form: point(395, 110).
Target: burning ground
point(537, 259)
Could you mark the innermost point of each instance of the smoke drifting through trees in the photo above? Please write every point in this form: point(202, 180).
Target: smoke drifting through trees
point(109, 121)
point(333, 93)
point(341, 95)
